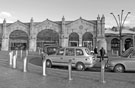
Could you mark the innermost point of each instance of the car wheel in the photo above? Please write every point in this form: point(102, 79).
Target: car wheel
point(48, 64)
point(119, 68)
point(80, 66)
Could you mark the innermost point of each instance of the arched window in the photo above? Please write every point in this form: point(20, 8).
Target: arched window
point(128, 43)
point(18, 40)
point(73, 39)
point(115, 44)
point(47, 37)
point(87, 40)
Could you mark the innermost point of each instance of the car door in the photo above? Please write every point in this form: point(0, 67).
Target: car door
point(130, 62)
point(79, 56)
point(58, 58)
point(69, 55)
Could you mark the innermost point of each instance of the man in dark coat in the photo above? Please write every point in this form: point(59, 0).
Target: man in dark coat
point(102, 53)
point(95, 50)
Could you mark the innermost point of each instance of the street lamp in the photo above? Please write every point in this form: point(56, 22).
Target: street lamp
point(120, 22)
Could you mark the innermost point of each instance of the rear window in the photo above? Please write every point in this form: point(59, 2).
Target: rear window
point(70, 52)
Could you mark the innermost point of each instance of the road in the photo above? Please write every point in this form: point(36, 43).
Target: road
point(58, 77)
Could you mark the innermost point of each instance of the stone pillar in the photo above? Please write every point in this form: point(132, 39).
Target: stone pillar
point(98, 26)
point(64, 41)
point(64, 36)
point(32, 39)
point(80, 41)
point(5, 44)
point(5, 39)
point(102, 43)
point(32, 44)
point(103, 26)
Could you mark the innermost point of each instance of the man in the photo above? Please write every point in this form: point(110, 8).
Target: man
point(95, 52)
point(102, 53)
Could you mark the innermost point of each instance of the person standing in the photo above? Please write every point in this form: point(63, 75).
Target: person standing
point(102, 53)
point(95, 52)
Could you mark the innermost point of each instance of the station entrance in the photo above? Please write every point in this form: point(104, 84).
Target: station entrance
point(74, 39)
point(87, 39)
point(47, 37)
point(18, 40)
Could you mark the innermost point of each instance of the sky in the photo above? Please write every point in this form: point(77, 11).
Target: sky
point(40, 10)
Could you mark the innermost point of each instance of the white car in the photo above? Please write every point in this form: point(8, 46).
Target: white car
point(81, 58)
point(124, 63)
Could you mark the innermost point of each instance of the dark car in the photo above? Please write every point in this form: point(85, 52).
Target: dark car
point(51, 49)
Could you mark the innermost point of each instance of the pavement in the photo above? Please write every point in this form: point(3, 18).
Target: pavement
point(56, 78)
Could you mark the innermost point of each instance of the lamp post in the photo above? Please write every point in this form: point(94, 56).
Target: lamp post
point(120, 22)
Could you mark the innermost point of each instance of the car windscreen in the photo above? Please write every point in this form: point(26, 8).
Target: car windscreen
point(128, 52)
point(88, 51)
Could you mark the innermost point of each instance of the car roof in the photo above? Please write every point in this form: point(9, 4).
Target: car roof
point(75, 47)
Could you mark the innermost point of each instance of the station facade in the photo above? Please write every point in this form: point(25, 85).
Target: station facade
point(35, 35)
point(113, 43)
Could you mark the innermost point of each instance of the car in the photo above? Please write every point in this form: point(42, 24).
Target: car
point(126, 62)
point(50, 49)
point(81, 58)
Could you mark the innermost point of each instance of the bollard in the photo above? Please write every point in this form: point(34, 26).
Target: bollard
point(70, 70)
point(27, 52)
point(25, 64)
point(21, 54)
point(102, 71)
point(14, 61)
point(11, 57)
point(44, 65)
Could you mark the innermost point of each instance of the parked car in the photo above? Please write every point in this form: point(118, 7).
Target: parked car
point(124, 63)
point(81, 58)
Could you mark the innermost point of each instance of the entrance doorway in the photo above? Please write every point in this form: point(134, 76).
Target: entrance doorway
point(88, 44)
point(73, 43)
point(47, 37)
point(128, 43)
point(18, 45)
point(18, 40)
point(87, 39)
point(73, 39)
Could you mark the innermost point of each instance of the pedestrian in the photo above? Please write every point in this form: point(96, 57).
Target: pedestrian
point(102, 53)
point(95, 52)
